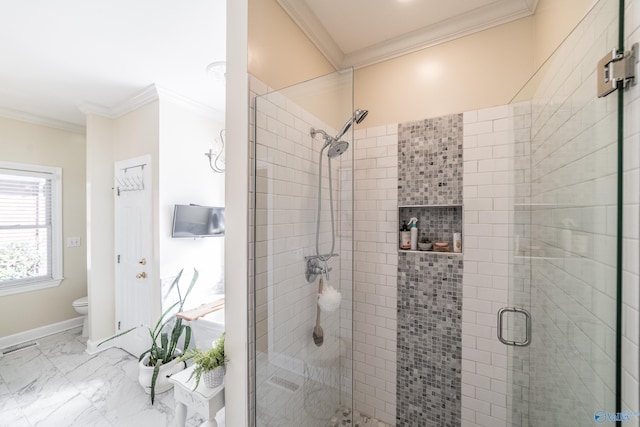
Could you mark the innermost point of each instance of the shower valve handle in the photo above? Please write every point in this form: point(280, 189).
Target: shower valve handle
point(314, 269)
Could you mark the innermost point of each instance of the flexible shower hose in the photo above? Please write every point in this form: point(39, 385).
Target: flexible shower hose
point(328, 256)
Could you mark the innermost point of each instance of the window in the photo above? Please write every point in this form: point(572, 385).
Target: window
point(30, 227)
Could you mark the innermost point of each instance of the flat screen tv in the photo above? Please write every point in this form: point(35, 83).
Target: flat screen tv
point(197, 221)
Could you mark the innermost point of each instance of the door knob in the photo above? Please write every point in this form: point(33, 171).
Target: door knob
point(143, 261)
point(142, 275)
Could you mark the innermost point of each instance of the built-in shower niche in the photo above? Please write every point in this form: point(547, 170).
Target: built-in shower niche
point(437, 222)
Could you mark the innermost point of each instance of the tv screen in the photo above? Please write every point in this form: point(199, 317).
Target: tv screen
point(197, 221)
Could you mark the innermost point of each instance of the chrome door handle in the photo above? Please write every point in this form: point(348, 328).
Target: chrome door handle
point(527, 317)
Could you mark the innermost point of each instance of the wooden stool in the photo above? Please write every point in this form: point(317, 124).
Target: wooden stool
point(204, 400)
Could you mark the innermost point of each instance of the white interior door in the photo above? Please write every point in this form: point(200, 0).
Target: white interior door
point(133, 246)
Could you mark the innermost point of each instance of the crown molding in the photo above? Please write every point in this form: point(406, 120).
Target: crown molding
point(22, 116)
point(306, 20)
point(147, 95)
point(474, 21)
point(479, 19)
point(150, 94)
point(190, 104)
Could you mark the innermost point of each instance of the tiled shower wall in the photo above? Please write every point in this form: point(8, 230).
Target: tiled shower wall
point(572, 210)
point(286, 197)
point(496, 148)
point(430, 284)
point(573, 217)
point(376, 263)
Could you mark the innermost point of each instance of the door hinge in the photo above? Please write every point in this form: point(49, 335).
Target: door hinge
point(118, 259)
point(617, 70)
point(118, 325)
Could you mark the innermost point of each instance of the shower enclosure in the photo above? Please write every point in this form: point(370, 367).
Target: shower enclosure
point(304, 235)
point(561, 191)
point(566, 236)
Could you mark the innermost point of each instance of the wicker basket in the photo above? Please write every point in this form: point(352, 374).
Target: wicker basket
point(214, 378)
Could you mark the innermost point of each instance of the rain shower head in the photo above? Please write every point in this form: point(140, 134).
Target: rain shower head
point(357, 117)
point(337, 148)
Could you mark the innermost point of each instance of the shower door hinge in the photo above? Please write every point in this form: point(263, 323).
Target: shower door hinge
point(617, 70)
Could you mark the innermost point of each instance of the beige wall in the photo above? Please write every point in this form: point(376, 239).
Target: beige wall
point(100, 271)
point(480, 70)
point(280, 54)
point(28, 143)
point(554, 20)
point(477, 71)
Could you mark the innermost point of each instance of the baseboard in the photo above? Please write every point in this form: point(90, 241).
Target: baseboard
point(40, 332)
point(92, 347)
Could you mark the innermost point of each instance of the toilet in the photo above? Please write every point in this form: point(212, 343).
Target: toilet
point(81, 305)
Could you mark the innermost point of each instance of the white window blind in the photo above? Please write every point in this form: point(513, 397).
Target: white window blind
point(29, 227)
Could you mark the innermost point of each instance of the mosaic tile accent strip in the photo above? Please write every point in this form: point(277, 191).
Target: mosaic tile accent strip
point(430, 161)
point(437, 223)
point(429, 340)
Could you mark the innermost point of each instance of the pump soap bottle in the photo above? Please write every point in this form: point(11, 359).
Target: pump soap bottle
point(414, 233)
point(405, 237)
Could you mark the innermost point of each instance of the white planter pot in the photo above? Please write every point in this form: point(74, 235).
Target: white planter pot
point(214, 378)
point(145, 374)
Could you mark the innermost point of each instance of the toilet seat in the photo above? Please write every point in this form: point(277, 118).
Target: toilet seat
point(81, 302)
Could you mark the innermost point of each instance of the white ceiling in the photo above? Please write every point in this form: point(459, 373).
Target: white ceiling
point(362, 32)
point(58, 55)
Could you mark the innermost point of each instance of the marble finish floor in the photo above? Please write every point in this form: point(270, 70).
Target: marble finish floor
point(58, 384)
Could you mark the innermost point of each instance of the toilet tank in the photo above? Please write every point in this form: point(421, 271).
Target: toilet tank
point(205, 330)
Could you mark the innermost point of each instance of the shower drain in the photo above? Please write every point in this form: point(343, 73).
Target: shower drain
point(18, 347)
point(282, 383)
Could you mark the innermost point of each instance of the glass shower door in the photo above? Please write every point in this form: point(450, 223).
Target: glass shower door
point(300, 378)
point(564, 236)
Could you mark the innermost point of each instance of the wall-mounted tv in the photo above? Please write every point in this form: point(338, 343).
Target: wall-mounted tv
point(197, 221)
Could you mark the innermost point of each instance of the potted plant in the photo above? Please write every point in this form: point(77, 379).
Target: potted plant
point(425, 244)
point(162, 359)
point(209, 364)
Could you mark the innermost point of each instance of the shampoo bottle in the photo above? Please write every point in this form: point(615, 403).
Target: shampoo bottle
point(405, 237)
point(414, 233)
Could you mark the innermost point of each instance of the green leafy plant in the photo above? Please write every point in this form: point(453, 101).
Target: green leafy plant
point(208, 360)
point(166, 333)
point(19, 260)
point(425, 239)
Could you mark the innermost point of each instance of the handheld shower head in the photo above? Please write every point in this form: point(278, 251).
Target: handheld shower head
point(357, 117)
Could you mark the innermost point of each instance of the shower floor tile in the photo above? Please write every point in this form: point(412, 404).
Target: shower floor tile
point(344, 417)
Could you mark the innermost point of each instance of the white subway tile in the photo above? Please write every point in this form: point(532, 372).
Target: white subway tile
point(470, 116)
point(376, 131)
point(492, 113)
point(477, 128)
point(478, 153)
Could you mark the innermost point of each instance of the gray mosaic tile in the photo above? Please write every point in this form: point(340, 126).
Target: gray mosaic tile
point(429, 348)
point(430, 161)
